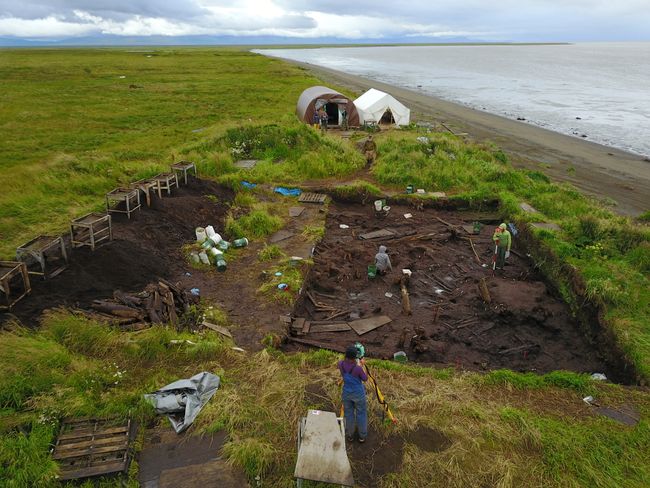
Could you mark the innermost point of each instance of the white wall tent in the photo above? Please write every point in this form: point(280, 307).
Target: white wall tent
point(374, 104)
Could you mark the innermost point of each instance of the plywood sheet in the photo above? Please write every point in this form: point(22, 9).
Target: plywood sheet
point(280, 235)
point(363, 326)
point(296, 211)
point(377, 234)
point(336, 327)
point(322, 455)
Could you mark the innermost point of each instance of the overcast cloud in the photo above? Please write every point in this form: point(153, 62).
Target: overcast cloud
point(496, 20)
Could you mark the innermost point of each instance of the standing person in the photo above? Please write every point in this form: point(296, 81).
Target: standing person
point(503, 241)
point(316, 119)
point(382, 261)
point(354, 395)
point(323, 119)
point(344, 119)
point(370, 150)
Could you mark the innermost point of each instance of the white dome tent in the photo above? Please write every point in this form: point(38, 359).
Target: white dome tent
point(375, 105)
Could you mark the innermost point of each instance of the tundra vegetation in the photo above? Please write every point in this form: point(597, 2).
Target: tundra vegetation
point(78, 122)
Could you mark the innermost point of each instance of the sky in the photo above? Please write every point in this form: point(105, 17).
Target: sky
point(345, 20)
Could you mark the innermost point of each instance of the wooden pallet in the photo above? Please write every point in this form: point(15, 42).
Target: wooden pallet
point(312, 198)
point(88, 447)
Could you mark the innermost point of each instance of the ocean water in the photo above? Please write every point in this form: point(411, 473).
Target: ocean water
point(601, 90)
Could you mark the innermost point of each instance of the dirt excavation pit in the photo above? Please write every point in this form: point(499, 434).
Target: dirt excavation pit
point(524, 328)
point(145, 248)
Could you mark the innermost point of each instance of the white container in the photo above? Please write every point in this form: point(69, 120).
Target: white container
point(217, 253)
point(216, 238)
point(204, 257)
point(195, 257)
point(210, 231)
point(200, 234)
point(378, 205)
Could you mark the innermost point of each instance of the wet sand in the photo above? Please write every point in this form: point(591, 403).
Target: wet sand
point(618, 179)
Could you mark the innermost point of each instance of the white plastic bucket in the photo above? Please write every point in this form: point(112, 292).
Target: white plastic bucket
point(200, 234)
point(378, 205)
point(217, 253)
point(209, 230)
point(204, 257)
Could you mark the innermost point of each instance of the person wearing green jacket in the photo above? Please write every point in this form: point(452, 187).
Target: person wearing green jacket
point(503, 241)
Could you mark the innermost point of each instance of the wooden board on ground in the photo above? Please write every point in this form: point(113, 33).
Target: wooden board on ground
point(280, 235)
point(377, 234)
point(246, 163)
point(483, 217)
point(296, 211)
point(321, 451)
point(318, 198)
point(87, 448)
point(217, 328)
point(335, 327)
point(363, 326)
point(527, 208)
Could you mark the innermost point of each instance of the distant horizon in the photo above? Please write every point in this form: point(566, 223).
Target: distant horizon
point(204, 41)
point(307, 22)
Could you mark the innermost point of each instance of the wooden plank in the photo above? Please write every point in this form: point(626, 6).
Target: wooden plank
point(307, 327)
point(377, 234)
point(217, 328)
point(321, 345)
point(91, 450)
point(114, 467)
point(80, 432)
point(322, 455)
point(298, 323)
point(318, 198)
point(280, 235)
point(296, 211)
point(363, 326)
point(94, 442)
point(336, 327)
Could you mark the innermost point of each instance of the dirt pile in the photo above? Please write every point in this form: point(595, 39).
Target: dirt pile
point(524, 327)
point(145, 248)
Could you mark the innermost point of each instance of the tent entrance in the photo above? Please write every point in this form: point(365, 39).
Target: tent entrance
point(387, 118)
point(332, 110)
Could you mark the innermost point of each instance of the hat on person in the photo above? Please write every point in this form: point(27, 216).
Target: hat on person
point(351, 352)
point(503, 226)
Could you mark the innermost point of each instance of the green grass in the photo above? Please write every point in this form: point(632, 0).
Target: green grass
point(506, 429)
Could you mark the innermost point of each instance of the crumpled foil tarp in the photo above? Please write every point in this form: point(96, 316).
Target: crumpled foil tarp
point(182, 400)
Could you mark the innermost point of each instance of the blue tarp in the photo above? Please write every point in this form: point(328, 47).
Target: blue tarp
point(287, 192)
point(246, 184)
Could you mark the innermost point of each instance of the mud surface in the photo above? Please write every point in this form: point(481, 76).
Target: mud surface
point(146, 247)
point(381, 455)
point(524, 328)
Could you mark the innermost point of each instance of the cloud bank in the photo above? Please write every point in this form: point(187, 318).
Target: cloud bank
point(499, 20)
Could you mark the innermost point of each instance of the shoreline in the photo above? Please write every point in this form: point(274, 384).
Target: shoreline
point(603, 172)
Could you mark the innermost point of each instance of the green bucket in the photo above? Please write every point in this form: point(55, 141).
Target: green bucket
point(409, 189)
point(372, 271)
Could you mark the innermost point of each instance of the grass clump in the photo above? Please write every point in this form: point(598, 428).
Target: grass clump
point(313, 232)
point(258, 223)
point(270, 252)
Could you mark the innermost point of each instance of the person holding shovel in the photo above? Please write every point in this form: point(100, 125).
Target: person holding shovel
point(503, 240)
point(354, 394)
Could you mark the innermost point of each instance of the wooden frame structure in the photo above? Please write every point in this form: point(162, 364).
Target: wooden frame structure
point(165, 181)
point(88, 447)
point(130, 197)
point(145, 185)
point(9, 270)
point(184, 167)
point(90, 230)
point(37, 250)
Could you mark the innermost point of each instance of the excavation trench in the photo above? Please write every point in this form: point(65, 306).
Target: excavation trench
point(525, 326)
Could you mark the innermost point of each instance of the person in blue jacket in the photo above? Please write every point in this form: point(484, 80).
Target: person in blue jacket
point(354, 394)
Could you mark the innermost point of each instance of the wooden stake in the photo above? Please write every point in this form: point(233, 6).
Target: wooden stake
point(483, 290)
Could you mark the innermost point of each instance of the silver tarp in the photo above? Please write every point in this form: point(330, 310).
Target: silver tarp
point(182, 400)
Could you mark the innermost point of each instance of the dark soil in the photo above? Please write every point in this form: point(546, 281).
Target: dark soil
point(146, 247)
point(380, 455)
point(524, 328)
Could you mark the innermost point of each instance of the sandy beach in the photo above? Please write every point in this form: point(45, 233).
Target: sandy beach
point(617, 178)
